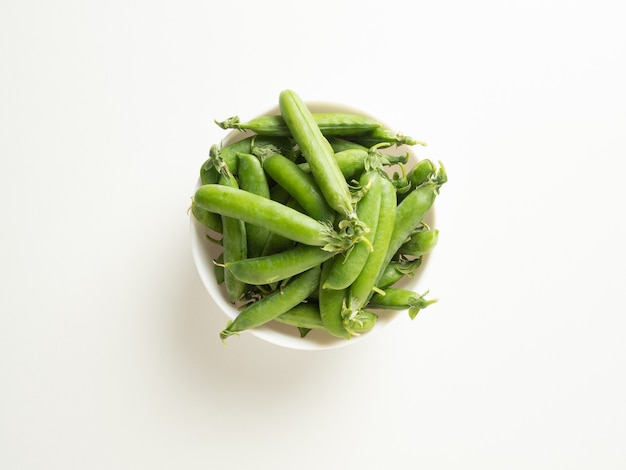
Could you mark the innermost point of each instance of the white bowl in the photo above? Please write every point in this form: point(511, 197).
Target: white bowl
point(204, 252)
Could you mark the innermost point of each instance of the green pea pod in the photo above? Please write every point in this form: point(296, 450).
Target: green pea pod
point(347, 268)
point(252, 178)
point(210, 220)
point(400, 299)
point(396, 270)
point(420, 243)
point(328, 123)
point(274, 304)
point(283, 145)
point(209, 174)
point(304, 315)
point(276, 243)
point(411, 211)
point(213, 167)
point(302, 187)
point(332, 304)
point(235, 246)
point(279, 266)
point(339, 145)
point(208, 170)
point(362, 287)
point(307, 315)
point(360, 323)
point(353, 162)
point(350, 161)
point(271, 215)
point(382, 134)
point(317, 152)
point(421, 172)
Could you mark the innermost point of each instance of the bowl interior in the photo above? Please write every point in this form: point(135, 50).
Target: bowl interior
point(205, 252)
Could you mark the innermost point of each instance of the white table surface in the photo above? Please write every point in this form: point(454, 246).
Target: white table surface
point(109, 348)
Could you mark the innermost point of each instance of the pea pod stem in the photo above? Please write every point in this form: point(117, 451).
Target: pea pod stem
point(340, 144)
point(210, 172)
point(276, 243)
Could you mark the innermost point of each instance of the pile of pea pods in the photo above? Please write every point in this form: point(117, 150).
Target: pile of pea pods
point(317, 220)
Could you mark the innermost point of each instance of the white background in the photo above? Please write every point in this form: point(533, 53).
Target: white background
point(109, 348)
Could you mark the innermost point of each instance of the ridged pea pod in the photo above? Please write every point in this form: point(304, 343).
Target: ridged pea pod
point(352, 161)
point(332, 304)
point(328, 123)
point(421, 172)
point(382, 134)
point(300, 185)
point(234, 243)
point(346, 268)
point(400, 299)
point(252, 178)
point(272, 215)
point(307, 315)
point(317, 152)
point(210, 220)
point(411, 212)
point(420, 243)
point(362, 287)
point(396, 270)
point(278, 266)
